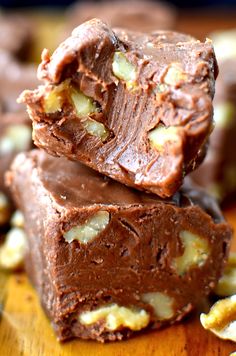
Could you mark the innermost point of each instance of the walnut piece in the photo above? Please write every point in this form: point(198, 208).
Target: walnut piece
point(124, 70)
point(116, 316)
point(5, 209)
point(54, 98)
point(15, 138)
point(227, 283)
point(161, 303)
point(84, 107)
point(90, 229)
point(175, 75)
point(95, 128)
point(159, 136)
point(196, 252)
point(221, 320)
point(13, 250)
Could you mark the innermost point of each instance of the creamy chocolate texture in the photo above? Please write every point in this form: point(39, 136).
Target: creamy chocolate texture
point(135, 107)
point(107, 260)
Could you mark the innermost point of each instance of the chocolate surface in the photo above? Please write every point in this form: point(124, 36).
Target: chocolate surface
point(143, 16)
point(166, 91)
point(135, 253)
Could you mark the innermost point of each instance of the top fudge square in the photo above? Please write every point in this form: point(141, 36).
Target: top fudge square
point(135, 107)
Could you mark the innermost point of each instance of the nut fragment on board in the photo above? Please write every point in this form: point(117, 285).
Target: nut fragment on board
point(227, 283)
point(116, 316)
point(90, 229)
point(221, 319)
point(13, 249)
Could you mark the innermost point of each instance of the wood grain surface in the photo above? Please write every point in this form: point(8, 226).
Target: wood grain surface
point(25, 330)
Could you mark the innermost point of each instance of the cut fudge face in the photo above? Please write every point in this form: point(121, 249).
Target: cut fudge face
point(107, 260)
point(135, 107)
point(143, 15)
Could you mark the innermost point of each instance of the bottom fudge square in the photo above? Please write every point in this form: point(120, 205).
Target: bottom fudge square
point(108, 261)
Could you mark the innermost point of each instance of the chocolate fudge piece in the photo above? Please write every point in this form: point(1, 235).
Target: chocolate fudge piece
point(107, 260)
point(136, 15)
point(218, 172)
point(16, 35)
point(135, 107)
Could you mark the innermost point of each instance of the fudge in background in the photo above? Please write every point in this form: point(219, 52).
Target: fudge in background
point(16, 35)
point(143, 16)
point(15, 137)
point(218, 172)
point(135, 107)
point(108, 261)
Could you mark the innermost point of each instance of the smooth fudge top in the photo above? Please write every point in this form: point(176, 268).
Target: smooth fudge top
point(73, 185)
point(143, 15)
point(135, 107)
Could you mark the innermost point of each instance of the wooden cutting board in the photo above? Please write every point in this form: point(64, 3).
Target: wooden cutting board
point(25, 330)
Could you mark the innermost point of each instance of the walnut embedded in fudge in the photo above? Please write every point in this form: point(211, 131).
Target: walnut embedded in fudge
point(103, 251)
point(162, 304)
point(195, 252)
point(115, 100)
point(116, 317)
point(124, 70)
point(82, 104)
point(90, 229)
point(221, 319)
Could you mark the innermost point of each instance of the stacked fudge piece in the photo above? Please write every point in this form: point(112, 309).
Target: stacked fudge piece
point(109, 260)
point(218, 172)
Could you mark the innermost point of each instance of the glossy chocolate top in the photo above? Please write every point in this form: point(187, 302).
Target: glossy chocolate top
point(72, 185)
